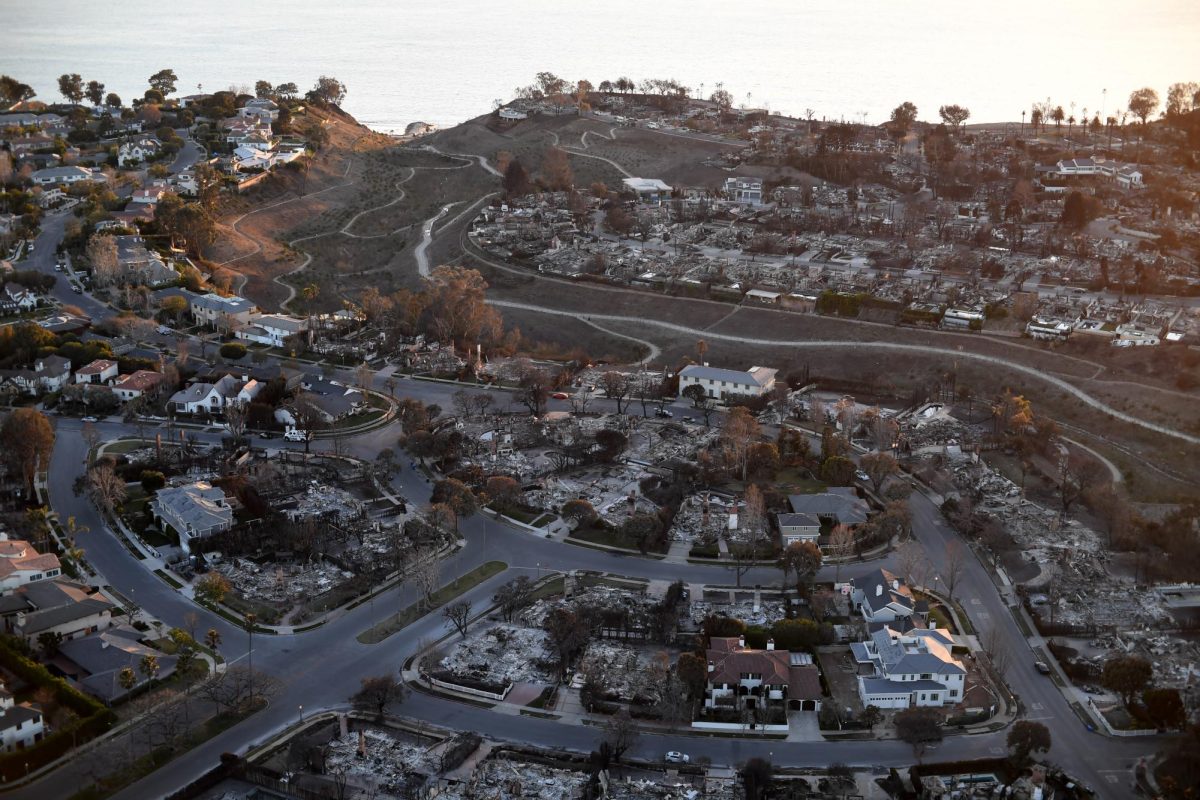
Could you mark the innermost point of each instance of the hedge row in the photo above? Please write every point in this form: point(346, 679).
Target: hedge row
point(93, 717)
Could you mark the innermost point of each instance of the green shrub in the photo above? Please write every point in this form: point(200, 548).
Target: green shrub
point(153, 480)
point(233, 351)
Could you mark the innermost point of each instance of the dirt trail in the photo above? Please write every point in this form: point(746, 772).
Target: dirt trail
point(1071, 389)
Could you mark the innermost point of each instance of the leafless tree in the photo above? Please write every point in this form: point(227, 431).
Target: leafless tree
point(426, 574)
point(105, 487)
point(841, 547)
point(616, 387)
point(459, 615)
point(236, 417)
point(621, 733)
point(955, 566)
point(913, 563)
point(997, 650)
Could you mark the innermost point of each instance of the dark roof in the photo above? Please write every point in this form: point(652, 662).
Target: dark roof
point(838, 502)
point(804, 682)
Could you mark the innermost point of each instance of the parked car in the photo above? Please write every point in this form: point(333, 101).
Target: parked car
point(662, 412)
point(88, 419)
point(560, 396)
point(861, 475)
point(1042, 667)
point(676, 757)
point(76, 288)
point(295, 435)
point(164, 330)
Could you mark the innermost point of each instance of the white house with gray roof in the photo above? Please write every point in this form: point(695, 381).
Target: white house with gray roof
point(54, 176)
point(211, 308)
point(911, 668)
point(720, 384)
point(195, 510)
point(271, 329)
point(881, 596)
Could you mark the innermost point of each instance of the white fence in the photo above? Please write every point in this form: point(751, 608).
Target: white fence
point(454, 687)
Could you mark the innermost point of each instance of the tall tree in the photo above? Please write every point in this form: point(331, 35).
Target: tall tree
point(12, 91)
point(328, 90)
point(954, 115)
point(164, 81)
point(1143, 103)
point(919, 727)
point(556, 171)
point(516, 179)
point(95, 92)
point(70, 86)
point(902, 119)
point(28, 440)
point(1025, 738)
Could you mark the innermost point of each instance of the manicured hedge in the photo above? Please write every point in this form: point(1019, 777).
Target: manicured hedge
point(94, 718)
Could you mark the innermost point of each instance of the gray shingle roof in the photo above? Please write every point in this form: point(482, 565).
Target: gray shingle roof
point(760, 376)
point(838, 502)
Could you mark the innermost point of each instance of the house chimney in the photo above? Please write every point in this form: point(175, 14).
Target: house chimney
point(742, 642)
point(770, 644)
point(878, 589)
point(895, 583)
point(103, 643)
point(711, 667)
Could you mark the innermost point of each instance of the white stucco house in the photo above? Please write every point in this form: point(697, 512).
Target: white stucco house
point(195, 511)
point(722, 383)
point(271, 329)
point(21, 725)
point(911, 668)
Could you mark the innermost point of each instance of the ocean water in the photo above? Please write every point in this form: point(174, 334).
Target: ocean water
point(443, 61)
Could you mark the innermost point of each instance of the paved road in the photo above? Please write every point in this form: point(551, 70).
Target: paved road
point(312, 677)
point(321, 668)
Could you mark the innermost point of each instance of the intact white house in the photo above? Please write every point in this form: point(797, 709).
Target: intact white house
point(911, 668)
point(137, 151)
point(137, 384)
point(212, 308)
point(102, 370)
point(748, 191)
point(212, 398)
point(271, 329)
point(880, 596)
point(722, 383)
point(53, 176)
point(21, 726)
point(195, 511)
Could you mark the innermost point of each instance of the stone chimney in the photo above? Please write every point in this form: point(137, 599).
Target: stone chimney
point(770, 644)
point(895, 583)
point(711, 666)
point(742, 642)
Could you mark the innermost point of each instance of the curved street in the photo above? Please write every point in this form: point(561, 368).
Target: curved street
point(321, 668)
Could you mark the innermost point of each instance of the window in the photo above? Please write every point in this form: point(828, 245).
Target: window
point(922, 695)
point(926, 676)
point(954, 692)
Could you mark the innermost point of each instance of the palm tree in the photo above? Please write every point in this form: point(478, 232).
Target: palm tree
point(1058, 116)
point(149, 667)
point(701, 349)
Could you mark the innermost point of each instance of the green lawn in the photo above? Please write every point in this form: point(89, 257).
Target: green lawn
point(613, 538)
point(444, 595)
point(359, 419)
point(125, 445)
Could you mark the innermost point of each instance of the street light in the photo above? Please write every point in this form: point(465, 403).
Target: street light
point(302, 712)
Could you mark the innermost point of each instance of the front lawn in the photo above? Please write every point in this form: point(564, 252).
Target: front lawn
point(441, 597)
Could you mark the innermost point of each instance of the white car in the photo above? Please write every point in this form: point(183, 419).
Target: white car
point(861, 475)
point(88, 419)
point(676, 757)
point(164, 330)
